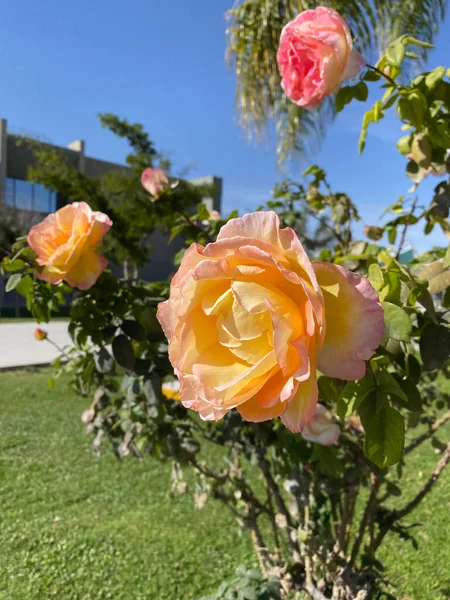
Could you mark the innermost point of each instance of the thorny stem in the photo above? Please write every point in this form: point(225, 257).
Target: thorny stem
point(259, 544)
point(281, 506)
point(308, 567)
point(405, 228)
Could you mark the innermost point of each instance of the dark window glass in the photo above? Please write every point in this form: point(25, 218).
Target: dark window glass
point(24, 194)
point(41, 198)
point(10, 192)
point(29, 196)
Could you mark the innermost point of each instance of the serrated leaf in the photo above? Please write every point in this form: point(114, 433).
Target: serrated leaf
point(385, 437)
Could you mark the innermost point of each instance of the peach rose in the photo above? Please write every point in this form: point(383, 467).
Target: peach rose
point(321, 429)
point(315, 56)
point(250, 319)
point(154, 181)
point(40, 334)
point(65, 244)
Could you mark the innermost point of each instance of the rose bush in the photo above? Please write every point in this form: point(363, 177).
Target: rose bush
point(316, 55)
point(254, 324)
point(249, 319)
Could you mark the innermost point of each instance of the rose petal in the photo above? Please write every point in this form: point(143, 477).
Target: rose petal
point(354, 322)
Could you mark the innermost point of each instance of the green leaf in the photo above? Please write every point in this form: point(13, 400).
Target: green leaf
point(389, 385)
point(404, 145)
point(25, 287)
point(385, 438)
point(415, 42)
point(13, 282)
point(413, 108)
point(371, 116)
point(395, 53)
point(397, 323)
point(133, 329)
point(15, 265)
point(123, 352)
point(370, 75)
point(392, 234)
point(447, 258)
point(376, 277)
point(353, 394)
point(368, 408)
point(413, 398)
point(361, 91)
point(434, 346)
point(434, 77)
point(343, 97)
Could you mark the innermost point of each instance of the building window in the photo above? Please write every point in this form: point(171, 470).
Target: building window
point(26, 195)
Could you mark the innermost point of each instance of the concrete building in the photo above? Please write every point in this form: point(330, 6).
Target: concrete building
point(35, 201)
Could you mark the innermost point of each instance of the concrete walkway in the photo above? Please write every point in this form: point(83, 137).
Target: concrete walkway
point(19, 348)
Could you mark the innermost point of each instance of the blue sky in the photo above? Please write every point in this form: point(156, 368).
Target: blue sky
point(162, 64)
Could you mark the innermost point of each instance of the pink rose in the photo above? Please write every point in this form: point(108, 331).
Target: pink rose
point(65, 243)
point(321, 429)
point(315, 56)
point(154, 181)
point(250, 319)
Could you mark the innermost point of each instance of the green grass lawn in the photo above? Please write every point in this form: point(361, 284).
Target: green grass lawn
point(78, 527)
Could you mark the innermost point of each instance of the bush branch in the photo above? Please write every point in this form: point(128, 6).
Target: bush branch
point(427, 435)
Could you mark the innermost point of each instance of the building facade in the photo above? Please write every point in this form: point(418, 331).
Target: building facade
point(34, 201)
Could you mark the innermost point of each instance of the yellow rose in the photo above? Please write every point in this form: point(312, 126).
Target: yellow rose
point(250, 319)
